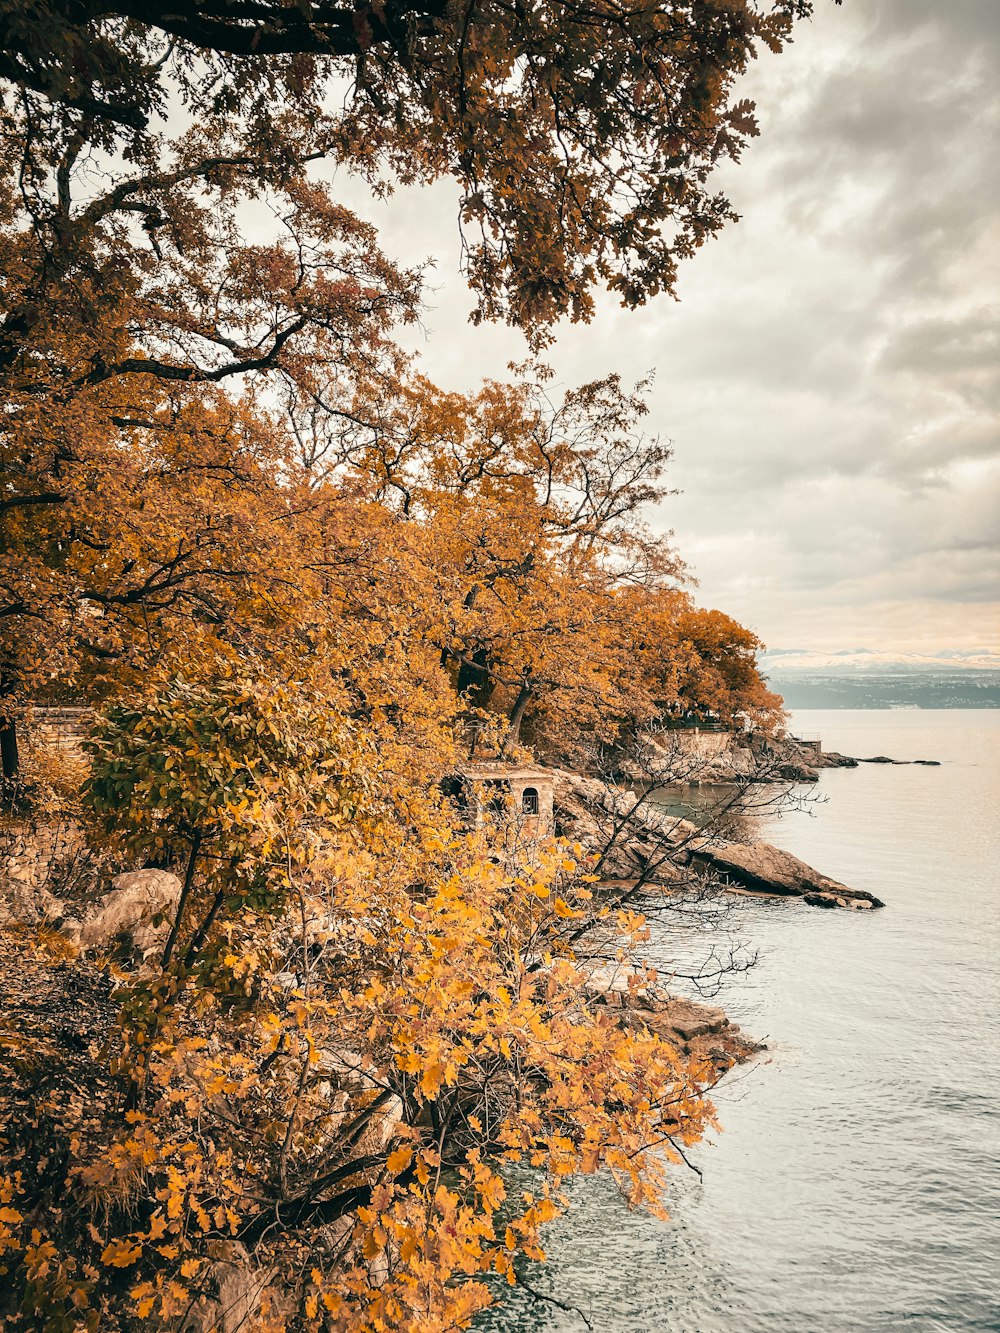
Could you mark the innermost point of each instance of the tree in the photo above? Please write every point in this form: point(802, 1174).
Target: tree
point(583, 144)
point(334, 1088)
point(724, 679)
point(119, 432)
point(286, 569)
point(582, 139)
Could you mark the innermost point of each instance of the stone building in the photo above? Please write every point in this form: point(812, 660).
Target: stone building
point(495, 789)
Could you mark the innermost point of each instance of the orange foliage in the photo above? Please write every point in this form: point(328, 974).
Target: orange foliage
point(298, 580)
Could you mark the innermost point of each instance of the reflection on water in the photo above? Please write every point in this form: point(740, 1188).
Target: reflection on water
point(855, 1186)
point(742, 814)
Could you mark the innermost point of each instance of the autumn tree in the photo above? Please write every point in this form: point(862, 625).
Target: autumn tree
point(582, 141)
point(286, 569)
point(687, 662)
point(531, 512)
point(361, 1013)
point(169, 224)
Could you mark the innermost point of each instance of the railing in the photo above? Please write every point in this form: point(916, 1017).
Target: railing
point(693, 724)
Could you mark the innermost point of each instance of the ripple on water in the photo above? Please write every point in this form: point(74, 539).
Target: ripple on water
point(855, 1187)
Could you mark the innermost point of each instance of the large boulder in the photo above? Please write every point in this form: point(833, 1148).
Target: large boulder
point(139, 908)
point(230, 1288)
point(766, 869)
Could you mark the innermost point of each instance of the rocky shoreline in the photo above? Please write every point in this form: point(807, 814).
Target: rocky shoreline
point(702, 1031)
point(812, 759)
point(791, 760)
point(660, 848)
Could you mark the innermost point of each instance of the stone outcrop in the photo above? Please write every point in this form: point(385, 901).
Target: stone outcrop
point(230, 1292)
point(805, 761)
point(48, 875)
point(806, 756)
point(884, 759)
point(137, 910)
point(831, 759)
point(591, 812)
point(760, 867)
point(695, 1029)
point(343, 1077)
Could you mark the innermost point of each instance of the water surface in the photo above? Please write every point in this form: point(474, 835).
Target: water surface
point(855, 1186)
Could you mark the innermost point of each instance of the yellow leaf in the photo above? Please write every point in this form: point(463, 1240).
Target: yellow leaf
point(121, 1253)
point(398, 1161)
point(374, 1243)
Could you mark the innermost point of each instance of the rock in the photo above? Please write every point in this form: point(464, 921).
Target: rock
point(884, 759)
point(763, 868)
point(795, 772)
point(589, 811)
point(699, 1030)
point(26, 903)
point(344, 1077)
point(231, 1290)
point(831, 759)
point(615, 984)
point(819, 899)
point(690, 1020)
point(136, 899)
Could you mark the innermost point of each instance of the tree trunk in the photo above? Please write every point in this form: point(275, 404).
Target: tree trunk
point(9, 760)
point(475, 680)
point(517, 717)
point(182, 901)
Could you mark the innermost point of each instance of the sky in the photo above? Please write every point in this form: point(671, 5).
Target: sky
point(830, 376)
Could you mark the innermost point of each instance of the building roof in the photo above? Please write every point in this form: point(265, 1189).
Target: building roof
point(495, 769)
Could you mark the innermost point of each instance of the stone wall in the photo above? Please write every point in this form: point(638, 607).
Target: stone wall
point(694, 741)
point(59, 728)
point(31, 854)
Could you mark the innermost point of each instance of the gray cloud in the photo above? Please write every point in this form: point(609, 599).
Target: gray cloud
point(830, 377)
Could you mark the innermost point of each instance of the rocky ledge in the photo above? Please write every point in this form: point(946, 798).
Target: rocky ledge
point(702, 1031)
point(761, 868)
point(587, 809)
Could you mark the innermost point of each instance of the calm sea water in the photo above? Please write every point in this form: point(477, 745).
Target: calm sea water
point(856, 1184)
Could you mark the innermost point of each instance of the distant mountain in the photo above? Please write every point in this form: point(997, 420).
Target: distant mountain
point(862, 678)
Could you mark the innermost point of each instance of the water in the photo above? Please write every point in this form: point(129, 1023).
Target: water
point(856, 1183)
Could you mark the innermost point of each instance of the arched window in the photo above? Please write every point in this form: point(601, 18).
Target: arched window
point(529, 801)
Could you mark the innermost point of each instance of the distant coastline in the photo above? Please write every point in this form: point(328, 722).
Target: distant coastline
point(946, 689)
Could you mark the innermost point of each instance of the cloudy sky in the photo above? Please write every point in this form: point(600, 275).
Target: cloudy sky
point(830, 376)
